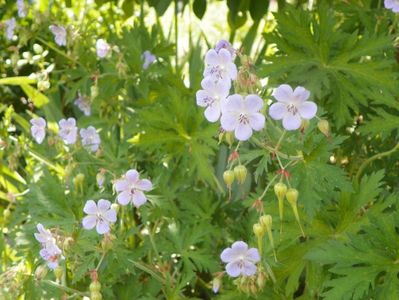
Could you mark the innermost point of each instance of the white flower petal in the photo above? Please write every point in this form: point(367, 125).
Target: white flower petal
point(243, 132)
point(212, 113)
point(227, 255)
point(253, 103)
point(291, 122)
point(89, 222)
point(234, 103)
point(233, 269)
point(138, 198)
point(283, 93)
point(229, 121)
point(124, 198)
point(278, 110)
point(90, 207)
point(240, 246)
point(132, 175)
point(301, 94)
point(307, 109)
point(253, 255)
point(103, 205)
point(232, 70)
point(202, 96)
point(144, 185)
point(110, 216)
point(248, 269)
point(121, 185)
point(224, 56)
point(257, 121)
point(212, 57)
point(102, 227)
point(208, 83)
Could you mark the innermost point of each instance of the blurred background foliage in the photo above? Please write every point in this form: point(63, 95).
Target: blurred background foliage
point(342, 51)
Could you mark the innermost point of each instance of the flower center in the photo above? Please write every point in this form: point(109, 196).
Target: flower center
point(292, 109)
point(217, 71)
point(209, 100)
point(243, 119)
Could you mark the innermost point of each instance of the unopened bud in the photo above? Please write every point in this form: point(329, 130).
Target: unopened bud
point(280, 189)
point(259, 230)
point(94, 91)
point(216, 282)
point(324, 127)
point(305, 124)
point(100, 177)
point(261, 279)
point(68, 242)
point(95, 296)
point(58, 272)
point(228, 177)
point(229, 137)
point(240, 173)
point(266, 221)
point(292, 196)
point(41, 272)
point(37, 48)
point(6, 213)
point(95, 286)
point(78, 181)
point(115, 207)
point(43, 85)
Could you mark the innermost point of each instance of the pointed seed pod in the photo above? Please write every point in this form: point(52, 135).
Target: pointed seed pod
point(229, 138)
point(259, 230)
point(58, 272)
point(95, 286)
point(324, 127)
point(292, 196)
point(266, 221)
point(240, 173)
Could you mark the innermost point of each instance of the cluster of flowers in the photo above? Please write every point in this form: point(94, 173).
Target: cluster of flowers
point(68, 132)
point(50, 252)
point(130, 189)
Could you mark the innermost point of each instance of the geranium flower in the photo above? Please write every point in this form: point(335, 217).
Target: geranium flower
point(102, 48)
point(60, 34)
point(83, 104)
point(99, 215)
point(242, 115)
point(38, 129)
point(292, 106)
point(148, 59)
point(10, 27)
point(52, 254)
point(392, 5)
point(214, 93)
point(223, 44)
point(240, 260)
point(131, 187)
point(220, 65)
point(44, 236)
point(21, 8)
point(68, 130)
point(90, 138)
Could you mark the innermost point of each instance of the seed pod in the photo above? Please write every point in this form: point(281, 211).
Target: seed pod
point(280, 189)
point(266, 221)
point(68, 243)
point(240, 173)
point(6, 213)
point(228, 177)
point(115, 206)
point(229, 137)
point(324, 127)
point(305, 124)
point(41, 272)
point(58, 272)
point(95, 296)
point(292, 196)
point(216, 283)
point(259, 230)
point(95, 287)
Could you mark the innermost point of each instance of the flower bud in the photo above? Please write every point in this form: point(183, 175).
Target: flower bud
point(58, 272)
point(292, 196)
point(95, 296)
point(324, 127)
point(78, 181)
point(68, 243)
point(266, 221)
point(229, 137)
point(228, 177)
point(216, 282)
point(37, 48)
point(305, 124)
point(261, 279)
point(280, 189)
point(6, 213)
point(259, 230)
point(100, 177)
point(240, 173)
point(95, 286)
point(43, 85)
point(41, 272)
point(115, 207)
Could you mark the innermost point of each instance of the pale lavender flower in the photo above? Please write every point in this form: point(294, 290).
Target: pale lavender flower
point(52, 254)
point(240, 260)
point(10, 27)
point(38, 129)
point(102, 48)
point(212, 96)
point(68, 130)
point(242, 115)
point(60, 34)
point(148, 59)
point(90, 138)
point(223, 44)
point(216, 282)
point(392, 5)
point(22, 11)
point(220, 65)
point(292, 106)
point(99, 215)
point(131, 187)
point(44, 236)
point(100, 178)
point(83, 104)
